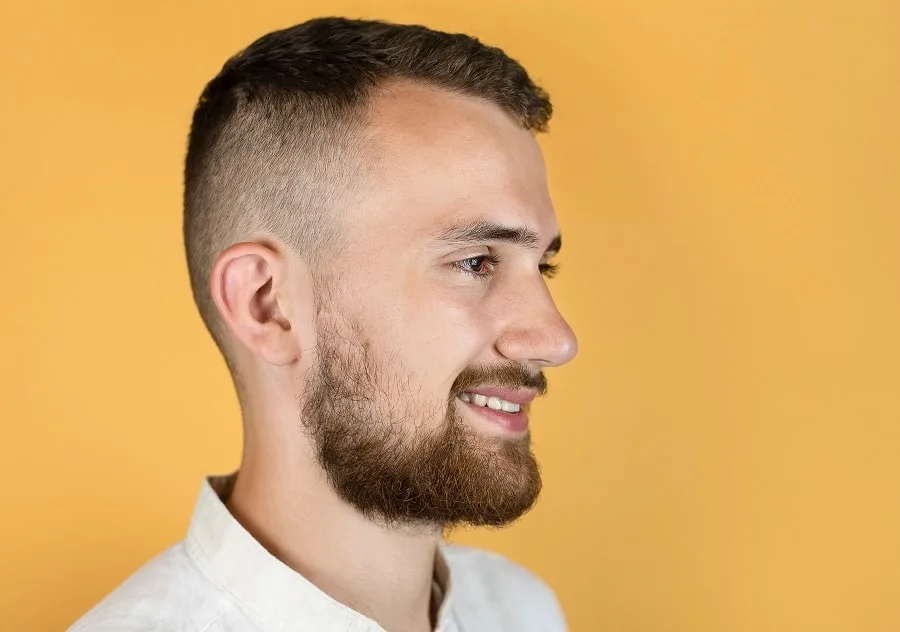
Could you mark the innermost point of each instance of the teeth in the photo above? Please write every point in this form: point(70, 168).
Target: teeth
point(494, 403)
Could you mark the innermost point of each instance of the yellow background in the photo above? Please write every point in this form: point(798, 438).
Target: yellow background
point(724, 454)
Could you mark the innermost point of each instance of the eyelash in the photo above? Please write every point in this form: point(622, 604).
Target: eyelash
point(549, 270)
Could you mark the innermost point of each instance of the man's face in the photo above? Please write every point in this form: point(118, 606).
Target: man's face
point(437, 321)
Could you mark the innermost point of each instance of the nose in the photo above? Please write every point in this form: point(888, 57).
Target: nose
point(534, 331)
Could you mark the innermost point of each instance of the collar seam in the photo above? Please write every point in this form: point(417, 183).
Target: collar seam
point(200, 558)
point(203, 560)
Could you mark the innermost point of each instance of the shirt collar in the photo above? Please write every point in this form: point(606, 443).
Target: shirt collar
point(265, 586)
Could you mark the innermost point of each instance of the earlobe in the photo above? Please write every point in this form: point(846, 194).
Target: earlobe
point(243, 284)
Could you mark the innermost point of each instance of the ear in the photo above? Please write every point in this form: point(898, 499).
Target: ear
point(245, 284)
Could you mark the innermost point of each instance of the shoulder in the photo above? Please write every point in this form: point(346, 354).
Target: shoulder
point(169, 592)
point(498, 588)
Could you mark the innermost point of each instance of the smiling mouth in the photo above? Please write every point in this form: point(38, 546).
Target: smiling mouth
point(492, 402)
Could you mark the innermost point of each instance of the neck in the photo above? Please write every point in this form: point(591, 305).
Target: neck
point(287, 504)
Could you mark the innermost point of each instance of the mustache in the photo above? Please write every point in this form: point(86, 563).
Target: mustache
point(510, 375)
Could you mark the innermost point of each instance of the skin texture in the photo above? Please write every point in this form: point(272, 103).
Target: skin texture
point(373, 364)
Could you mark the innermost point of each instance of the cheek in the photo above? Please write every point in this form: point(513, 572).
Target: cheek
point(447, 335)
point(423, 326)
point(437, 335)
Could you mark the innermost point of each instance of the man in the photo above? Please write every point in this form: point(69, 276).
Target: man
point(368, 228)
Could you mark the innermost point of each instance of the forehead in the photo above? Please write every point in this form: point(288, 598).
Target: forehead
point(441, 159)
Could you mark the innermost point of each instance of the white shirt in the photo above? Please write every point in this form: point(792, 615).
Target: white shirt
point(220, 579)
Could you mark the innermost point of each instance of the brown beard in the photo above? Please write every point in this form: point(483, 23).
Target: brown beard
point(377, 446)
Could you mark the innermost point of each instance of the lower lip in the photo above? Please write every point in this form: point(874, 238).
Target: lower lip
point(513, 422)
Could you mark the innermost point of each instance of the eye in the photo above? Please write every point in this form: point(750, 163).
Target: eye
point(481, 266)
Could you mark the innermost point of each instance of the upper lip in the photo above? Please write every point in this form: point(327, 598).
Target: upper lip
point(521, 396)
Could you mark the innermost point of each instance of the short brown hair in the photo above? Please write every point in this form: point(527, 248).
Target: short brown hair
point(271, 145)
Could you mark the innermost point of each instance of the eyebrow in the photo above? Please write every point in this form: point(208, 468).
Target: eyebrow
point(486, 230)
